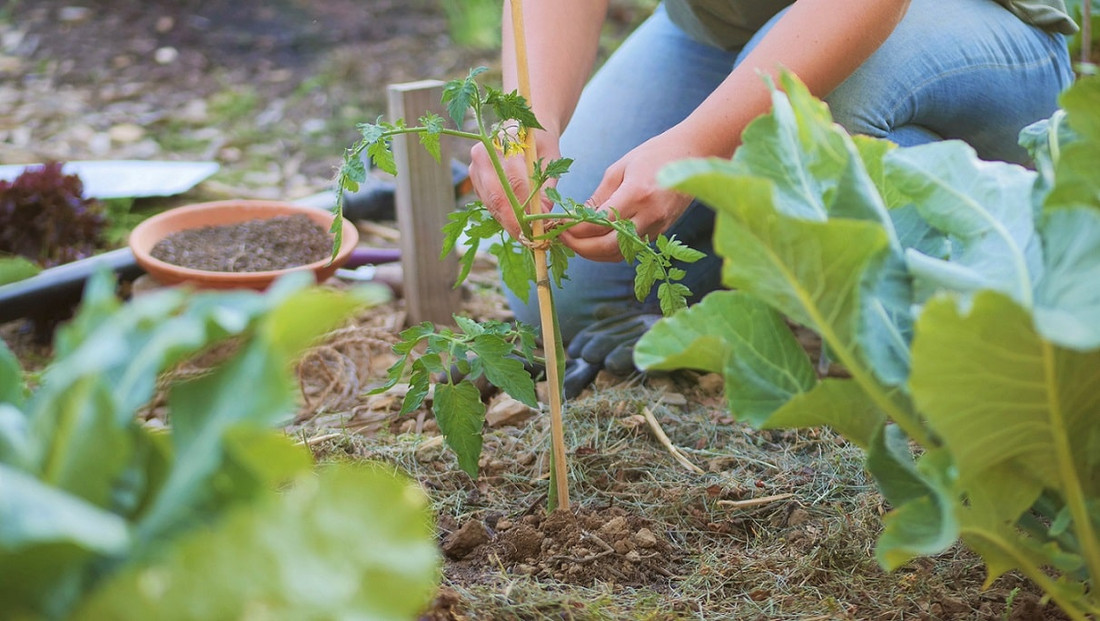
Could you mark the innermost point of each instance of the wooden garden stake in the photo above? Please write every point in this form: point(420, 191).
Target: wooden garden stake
point(550, 335)
point(424, 196)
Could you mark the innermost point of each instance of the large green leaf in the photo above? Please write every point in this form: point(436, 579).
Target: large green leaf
point(351, 543)
point(986, 209)
point(734, 334)
point(12, 387)
point(1076, 164)
point(840, 404)
point(1067, 298)
point(202, 410)
point(817, 169)
point(87, 450)
point(47, 537)
point(461, 416)
point(926, 525)
point(1006, 396)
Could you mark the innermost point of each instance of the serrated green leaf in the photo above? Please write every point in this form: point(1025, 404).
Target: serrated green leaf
point(452, 230)
point(461, 416)
point(460, 95)
point(672, 297)
point(503, 370)
point(511, 106)
point(468, 326)
point(646, 273)
point(418, 388)
point(517, 267)
point(678, 251)
point(556, 168)
point(353, 172)
point(559, 262)
point(382, 156)
point(347, 542)
point(429, 138)
point(628, 245)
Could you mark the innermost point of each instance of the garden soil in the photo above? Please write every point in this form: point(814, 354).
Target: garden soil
point(767, 524)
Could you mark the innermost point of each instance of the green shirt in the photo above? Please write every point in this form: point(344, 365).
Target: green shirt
point(730, 24)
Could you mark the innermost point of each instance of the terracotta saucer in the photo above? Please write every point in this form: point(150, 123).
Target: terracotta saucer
point(218, 213)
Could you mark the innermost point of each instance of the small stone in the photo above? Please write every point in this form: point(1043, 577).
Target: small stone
point(645, 538)
point(126, 133)
point(506, 411)
point(504, 524)
point(73, 14)
point(633, 556)
point(164, 24)
point(606, 379)
point(614, 526)
point(524, 568)
point(712, 384)
point(464, 540)
point(166, 55)
point(673, 398)
point(798, 516)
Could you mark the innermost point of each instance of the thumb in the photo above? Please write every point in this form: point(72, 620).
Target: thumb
point(612, 179)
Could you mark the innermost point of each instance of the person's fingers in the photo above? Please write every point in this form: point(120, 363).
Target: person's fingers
point(609, 185)
point(604, 248)
point(489, 189)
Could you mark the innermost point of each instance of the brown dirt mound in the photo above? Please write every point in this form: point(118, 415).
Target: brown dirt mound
point(578, 547)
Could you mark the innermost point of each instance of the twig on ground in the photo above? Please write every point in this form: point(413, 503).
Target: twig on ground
point(663, 439)
point(752, 502)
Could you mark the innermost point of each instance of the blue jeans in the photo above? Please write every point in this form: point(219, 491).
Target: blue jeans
point(965, 69)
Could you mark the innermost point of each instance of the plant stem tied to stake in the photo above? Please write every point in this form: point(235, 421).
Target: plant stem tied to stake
point(560, 479)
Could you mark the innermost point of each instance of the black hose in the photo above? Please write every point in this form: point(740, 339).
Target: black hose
point(61, 287)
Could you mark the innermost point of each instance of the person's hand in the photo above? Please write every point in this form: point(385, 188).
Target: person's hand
point(487, 184)
point(630, 187)
point(606, 344)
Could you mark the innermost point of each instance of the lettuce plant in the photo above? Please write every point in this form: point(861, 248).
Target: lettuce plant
point(221, 515)
point(959, 294)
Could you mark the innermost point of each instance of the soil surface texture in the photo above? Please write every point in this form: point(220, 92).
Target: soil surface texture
point(261, 245)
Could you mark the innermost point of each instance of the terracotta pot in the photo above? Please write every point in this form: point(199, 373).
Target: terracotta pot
point(218, 213)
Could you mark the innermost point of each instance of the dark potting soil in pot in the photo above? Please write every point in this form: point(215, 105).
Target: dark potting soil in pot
point(253, 246)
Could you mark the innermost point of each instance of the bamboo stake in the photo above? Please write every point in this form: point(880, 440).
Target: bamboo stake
point(550, 335)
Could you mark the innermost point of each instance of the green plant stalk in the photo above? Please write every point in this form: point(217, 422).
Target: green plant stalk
point(1074, 495)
